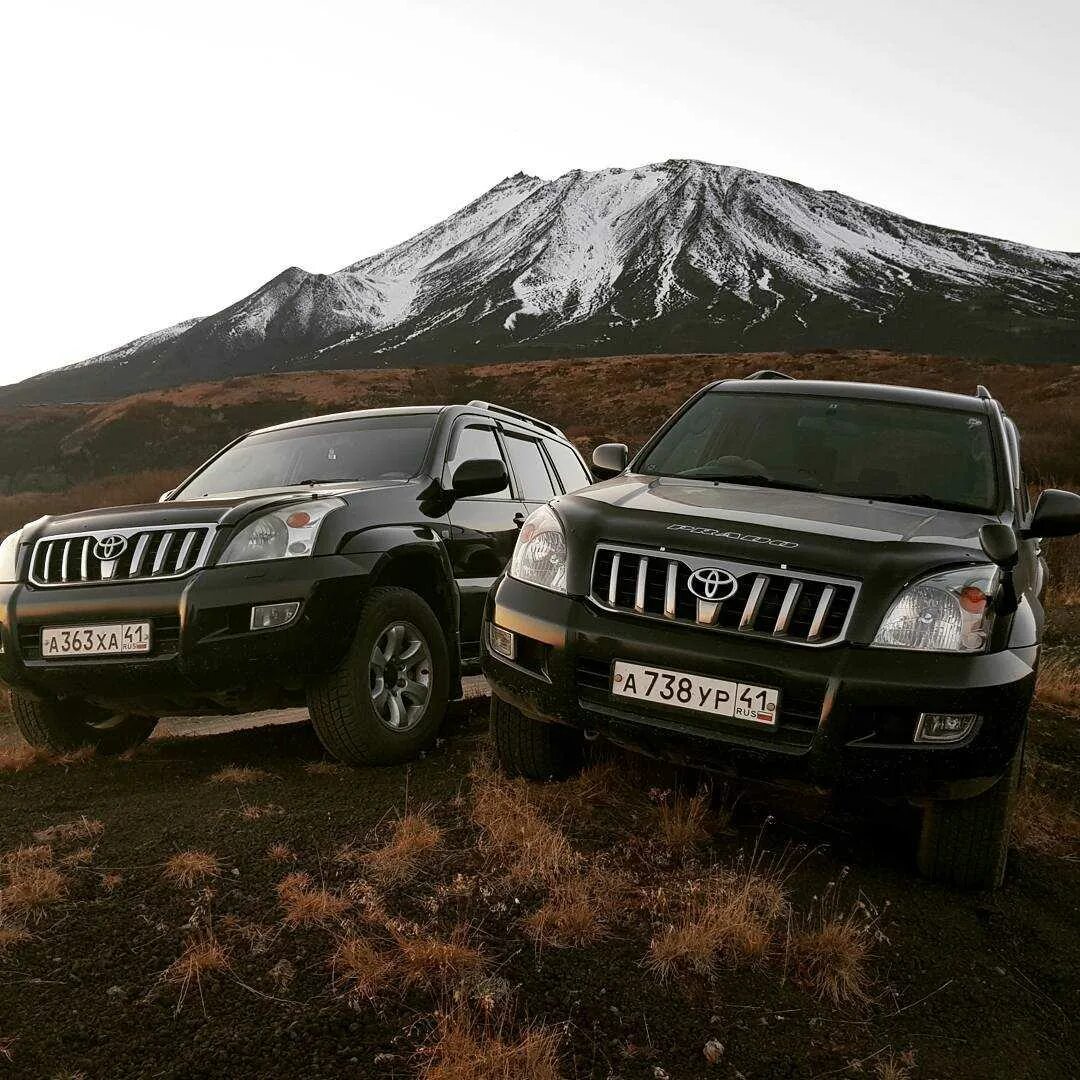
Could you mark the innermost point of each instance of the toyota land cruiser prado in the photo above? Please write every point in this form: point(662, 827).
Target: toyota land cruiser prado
point(832, 583)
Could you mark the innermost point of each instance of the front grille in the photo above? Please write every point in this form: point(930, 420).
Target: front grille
point(807, 609)
point(159, 552)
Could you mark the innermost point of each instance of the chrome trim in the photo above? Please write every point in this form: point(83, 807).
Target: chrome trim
point(791, 598)
point(162, 553)
point(753, 602)
point(820, 613)
point(64, 541)
point(613, 588)
point(669, 589)
point(639, 588)
point(697, 561)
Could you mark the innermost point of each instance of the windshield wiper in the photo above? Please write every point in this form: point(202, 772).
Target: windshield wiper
point(908, 498)
point(755, 479)
point(326, 480)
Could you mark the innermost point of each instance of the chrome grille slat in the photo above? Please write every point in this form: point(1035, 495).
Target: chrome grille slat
point(776, 602)
point(71, 560)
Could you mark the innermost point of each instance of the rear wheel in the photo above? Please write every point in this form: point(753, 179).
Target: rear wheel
point(60, 726)
point(966, 842)
point(531, 748)
point(388, 698)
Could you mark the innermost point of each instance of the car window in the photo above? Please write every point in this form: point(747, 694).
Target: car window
point(572, 474)
point(475, 441)
point(530, 469)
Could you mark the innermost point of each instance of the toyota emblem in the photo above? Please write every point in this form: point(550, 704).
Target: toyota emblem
point(712, 584)
point(109, 548)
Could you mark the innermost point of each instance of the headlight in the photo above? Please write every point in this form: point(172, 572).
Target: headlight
point(947, 612)
point(9, 554)
point(540, 555)
point(287, 533)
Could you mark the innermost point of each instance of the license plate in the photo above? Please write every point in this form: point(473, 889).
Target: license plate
point(111, 639)
point(717, 697)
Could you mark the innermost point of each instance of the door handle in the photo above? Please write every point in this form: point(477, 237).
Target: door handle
point(519, 519)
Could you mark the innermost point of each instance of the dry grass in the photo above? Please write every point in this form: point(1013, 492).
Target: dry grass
point(203, 956)
point(683, 822)
point(187, 868)
point(29, 888)
point(894, 1066)
point(240, 774)
point(361, 968)
point(411, 838)
point(7, 1047)
point(514, 829)
point(255, 812)
point(466, 1048)
point(831, 951)
point(112, 881)
point(1045, 824)
point(325, 768)
point(1059, 680)
point(730, 919)
point(438, 963)
point(306, 904)
point(79, 756)
point(82, 831)
point(578, 910)
point(20, 757)
point(11, 936)
point(281, 853)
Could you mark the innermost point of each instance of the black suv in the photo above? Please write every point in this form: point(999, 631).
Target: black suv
point(835, 583)
point(341, 561)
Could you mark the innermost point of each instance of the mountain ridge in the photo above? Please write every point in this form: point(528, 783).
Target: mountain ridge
point(678, 256)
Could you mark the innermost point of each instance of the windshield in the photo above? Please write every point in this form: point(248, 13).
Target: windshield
point(859, 448)
point(364, 448)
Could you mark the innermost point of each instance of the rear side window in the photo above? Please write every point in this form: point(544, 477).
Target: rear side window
point(572, 474)
point(530, 469)
point(472, 442)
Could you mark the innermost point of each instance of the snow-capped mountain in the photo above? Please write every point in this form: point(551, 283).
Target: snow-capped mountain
point(681, 256)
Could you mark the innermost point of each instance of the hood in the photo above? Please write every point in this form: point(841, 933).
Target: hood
point(224, 510)
point(696, 503)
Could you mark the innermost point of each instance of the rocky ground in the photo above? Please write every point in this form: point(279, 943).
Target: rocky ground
point(232, 905)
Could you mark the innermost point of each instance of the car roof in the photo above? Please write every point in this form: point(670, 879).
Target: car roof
point(903, 395)
point(472, 409)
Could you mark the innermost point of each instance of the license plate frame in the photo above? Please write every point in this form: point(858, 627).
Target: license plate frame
point(129, 638)
point(725, 699)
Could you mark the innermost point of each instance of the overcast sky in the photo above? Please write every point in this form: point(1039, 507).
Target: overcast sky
point(162, 160)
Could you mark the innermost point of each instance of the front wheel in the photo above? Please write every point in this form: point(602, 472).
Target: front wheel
point(965, 842)
point(386, 701)
point(62, 726)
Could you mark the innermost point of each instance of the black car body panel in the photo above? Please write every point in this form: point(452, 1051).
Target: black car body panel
point(848, 710)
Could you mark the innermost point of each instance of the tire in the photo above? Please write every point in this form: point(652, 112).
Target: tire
point(61, 726)
point(966, 842)
point(354, 720)
point(531, 748)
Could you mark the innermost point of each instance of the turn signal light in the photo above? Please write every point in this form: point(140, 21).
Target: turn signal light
point(300, 519)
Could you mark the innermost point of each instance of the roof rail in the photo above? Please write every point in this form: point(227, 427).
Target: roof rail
point(768, 373)
point(478, 404)
point(982, 392)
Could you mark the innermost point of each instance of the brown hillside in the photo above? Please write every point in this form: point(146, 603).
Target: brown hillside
point(67, 457)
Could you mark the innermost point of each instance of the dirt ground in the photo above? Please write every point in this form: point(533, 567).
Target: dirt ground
point(961, 986)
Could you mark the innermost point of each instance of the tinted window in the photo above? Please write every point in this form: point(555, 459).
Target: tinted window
point(864, 449)
point(572, 473)
point(472, 443)
point(365, 448)
point(530, 469)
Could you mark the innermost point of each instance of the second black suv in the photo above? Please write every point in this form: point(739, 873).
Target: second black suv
point(835, 583)
point(341, 561)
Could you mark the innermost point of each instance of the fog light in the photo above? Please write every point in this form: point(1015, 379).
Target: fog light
point(945, 727)
point(269, 616)
point(501, 641)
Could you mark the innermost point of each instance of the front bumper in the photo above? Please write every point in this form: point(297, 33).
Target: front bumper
point(204, 655)
point(847, 714)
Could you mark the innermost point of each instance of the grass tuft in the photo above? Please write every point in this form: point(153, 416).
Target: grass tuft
point(11, 936)
point(203, 956)
point(360, 968)
point(466, 1048)
point(305, 904)
point(578, 910)
point(281, 853)
point(22, 756)
point(187, 868)
point(683, 822)
point(411, 838)
point(436, 963)
point(82, 831)
point(240, 774)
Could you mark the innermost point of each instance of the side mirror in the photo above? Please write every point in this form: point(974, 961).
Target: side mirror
point(480, 476)
point(609, 459)
point(1057, 513)
point(1000, 544)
